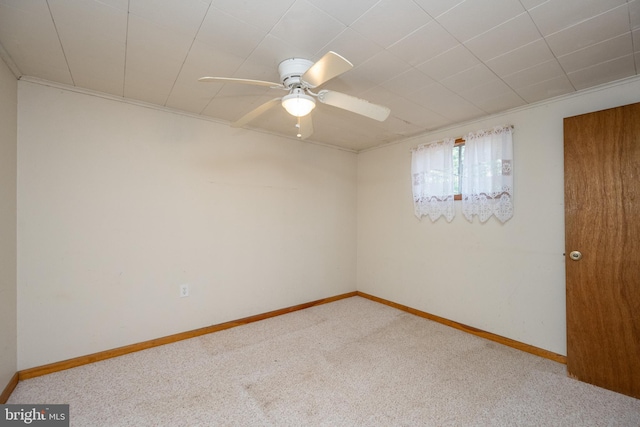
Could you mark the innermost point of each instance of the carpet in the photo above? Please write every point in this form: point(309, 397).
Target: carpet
point(352, 362)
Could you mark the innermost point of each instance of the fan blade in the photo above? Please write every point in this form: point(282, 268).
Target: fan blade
point(305, 126)
point(326, 68)
point(243, 81)
point(255, 113)
point(353, 104)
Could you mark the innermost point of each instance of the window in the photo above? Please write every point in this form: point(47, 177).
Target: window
point(458, 161)
point(476, 169)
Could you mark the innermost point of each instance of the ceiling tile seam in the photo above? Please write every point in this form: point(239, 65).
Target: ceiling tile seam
point(291, 6)
point(542, 2)
point(363, 14)
point(446, 88)
point(434, 17)
point(578, 23)
point(221, 85)
point(524, 88)
point(415, 67)
point(126, 50)
point(550, 50)
point(441, 113)
point(554, 60)
point(599, 64)
point(211, 100)
point(4, 56)
point(381, 84)
point(387, 48)
point(485, 62)
point(460, 44)
point(496, 26)
point(519, 47)
point(590, 18)
point(630, 34)
point(384, 48)
point(248, 55)
point(53, 21)
point(472, 54)
point(633, 47)
point(204, 16)
point(525, 107)
point(435, 113)
point(112, 6)
point(479, 107)
point(321, 51)
point(413, 32)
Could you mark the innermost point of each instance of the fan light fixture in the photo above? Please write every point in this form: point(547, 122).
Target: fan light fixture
point(297, 103)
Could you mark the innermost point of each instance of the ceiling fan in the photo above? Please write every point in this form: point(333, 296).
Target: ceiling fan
point(298, 76)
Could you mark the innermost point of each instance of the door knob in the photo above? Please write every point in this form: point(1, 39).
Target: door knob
point(575, 255)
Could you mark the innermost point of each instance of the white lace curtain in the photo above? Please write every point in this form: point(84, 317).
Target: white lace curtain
point(487, 175)
point(486, 180)
point(432, 177)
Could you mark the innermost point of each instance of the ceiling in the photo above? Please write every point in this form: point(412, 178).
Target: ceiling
point(432, 62)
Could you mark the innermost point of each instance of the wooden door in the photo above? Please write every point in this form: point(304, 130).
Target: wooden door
point(602, 222)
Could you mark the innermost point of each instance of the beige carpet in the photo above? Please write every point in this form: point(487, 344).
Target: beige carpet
point(353, 362)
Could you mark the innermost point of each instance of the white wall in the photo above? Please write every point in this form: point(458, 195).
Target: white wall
point(8, 163)
point(119, 204)
point(506, 279)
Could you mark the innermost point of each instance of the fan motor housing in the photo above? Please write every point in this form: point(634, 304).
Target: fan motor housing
point(291, 70)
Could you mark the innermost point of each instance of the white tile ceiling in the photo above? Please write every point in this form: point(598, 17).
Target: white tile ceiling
point(433, 62)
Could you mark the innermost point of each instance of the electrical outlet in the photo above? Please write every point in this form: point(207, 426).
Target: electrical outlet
point(184, 290)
